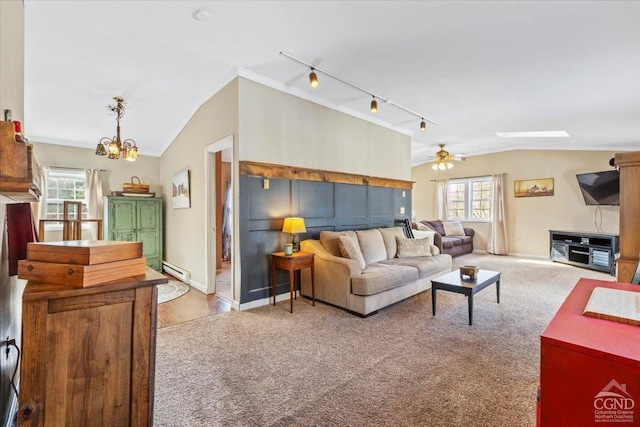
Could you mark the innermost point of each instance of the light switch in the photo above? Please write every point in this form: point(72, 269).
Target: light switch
point(402, 211)
point(403, 195)
point(265, 184)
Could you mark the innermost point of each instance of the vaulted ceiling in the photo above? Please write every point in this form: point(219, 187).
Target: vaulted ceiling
point(474, 68)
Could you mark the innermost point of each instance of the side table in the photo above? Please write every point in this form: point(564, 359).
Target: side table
point(291, 263)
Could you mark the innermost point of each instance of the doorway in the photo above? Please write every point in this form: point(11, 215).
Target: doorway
point(221, 220)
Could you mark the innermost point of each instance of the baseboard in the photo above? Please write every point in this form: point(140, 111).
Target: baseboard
point(199, 286)
point(265, 301)
point(530, 256)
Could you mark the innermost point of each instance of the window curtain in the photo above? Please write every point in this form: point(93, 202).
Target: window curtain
point(93, 195)
point(497, 243)
point(442, 187)
point(40, 208)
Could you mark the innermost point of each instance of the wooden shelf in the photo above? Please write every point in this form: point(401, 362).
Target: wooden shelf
point(19, 173)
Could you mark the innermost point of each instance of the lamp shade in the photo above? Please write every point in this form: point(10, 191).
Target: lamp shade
point(294, 225)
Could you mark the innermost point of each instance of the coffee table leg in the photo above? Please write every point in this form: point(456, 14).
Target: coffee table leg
point(471, 308)
point(433, 299)
point(498, 290)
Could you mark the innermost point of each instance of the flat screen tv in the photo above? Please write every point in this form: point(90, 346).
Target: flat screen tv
point(600, 188)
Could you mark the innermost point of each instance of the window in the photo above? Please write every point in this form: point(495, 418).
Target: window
point(64, 184)
point(469, 199)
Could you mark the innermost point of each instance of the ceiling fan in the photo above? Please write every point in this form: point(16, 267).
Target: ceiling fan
point(443, 159)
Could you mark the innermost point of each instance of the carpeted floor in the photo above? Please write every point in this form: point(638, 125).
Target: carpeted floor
point(321, 366)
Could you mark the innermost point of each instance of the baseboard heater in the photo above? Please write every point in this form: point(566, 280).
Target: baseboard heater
point(177, 272)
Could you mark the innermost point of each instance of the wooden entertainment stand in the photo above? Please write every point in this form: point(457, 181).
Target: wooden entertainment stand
point(589, 250)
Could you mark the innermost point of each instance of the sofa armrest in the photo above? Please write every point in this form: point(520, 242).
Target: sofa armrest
point(469, 232)
point(437, 240)
point(332, 275)
point(352, 267)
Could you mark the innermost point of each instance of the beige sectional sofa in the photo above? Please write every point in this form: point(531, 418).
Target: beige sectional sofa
point(365, 270)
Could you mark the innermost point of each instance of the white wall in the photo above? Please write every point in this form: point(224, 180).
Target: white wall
point(528, 219)
point(116, 173)
point(185, 232)
point(279, 128)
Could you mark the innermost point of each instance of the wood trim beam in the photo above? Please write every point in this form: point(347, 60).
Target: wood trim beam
point(268, 170)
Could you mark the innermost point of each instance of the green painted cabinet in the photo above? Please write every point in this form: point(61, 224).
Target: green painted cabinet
point(136, 219)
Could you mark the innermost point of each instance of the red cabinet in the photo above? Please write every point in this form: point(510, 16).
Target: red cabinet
point(589, 368)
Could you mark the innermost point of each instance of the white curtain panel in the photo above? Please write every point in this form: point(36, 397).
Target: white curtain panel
point(442, 186)
point(40, 208)
point(498, 243)
point(93, 195)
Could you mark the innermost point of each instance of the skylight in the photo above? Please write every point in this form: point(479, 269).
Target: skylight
point(535, 134)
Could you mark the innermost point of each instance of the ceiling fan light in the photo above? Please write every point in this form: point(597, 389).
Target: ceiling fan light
point(423, 126)
point(313, 79)
point(374, 106)
point(449, 165)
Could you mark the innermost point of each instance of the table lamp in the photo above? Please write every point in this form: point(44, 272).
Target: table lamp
point(294, 226)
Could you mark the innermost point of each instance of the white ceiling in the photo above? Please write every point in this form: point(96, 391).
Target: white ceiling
point(474, 67)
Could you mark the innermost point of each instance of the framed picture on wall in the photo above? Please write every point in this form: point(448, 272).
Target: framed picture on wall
point(533, 187)
point(180, 189)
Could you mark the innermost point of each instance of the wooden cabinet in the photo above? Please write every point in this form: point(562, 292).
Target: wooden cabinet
point(89, 353)
point(19, 173)
point(589, 368)
point(629, 164)
point(136, 219)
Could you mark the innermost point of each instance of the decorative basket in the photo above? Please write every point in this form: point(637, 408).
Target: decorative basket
point(134, 187)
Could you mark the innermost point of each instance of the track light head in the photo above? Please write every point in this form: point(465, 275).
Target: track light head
point(374, 105)
point(313, 79)
point(423, 126)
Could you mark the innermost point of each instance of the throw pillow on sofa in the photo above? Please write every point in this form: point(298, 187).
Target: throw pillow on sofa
point(350, 248)
point(453, 228)
point(408, 248)
point(329, 240)
point(389, 237)
point(372, 245)
point(436, 225)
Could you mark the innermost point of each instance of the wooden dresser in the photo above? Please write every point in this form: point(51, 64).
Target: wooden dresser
point(89, 353)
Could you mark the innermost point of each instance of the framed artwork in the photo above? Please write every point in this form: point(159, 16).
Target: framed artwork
point(180, 189)
point(533, 187)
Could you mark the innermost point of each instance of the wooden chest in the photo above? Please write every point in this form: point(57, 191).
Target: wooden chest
point(81, 263)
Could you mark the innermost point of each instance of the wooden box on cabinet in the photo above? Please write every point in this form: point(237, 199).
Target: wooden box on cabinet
point(589, 368)
point(136, 219)
point(89, 353)
point(19, 174)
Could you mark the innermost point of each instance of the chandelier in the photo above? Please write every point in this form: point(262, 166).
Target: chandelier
point(115, 147)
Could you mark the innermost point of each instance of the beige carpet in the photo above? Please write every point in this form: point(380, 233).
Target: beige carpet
point(321, 366)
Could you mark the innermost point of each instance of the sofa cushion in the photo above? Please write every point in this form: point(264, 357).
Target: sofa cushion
point(413, 247)
point(349, 248)
point(448, 242)
point(381, 277)
point(426, 265)
point(372, 245)
point(389, 237)
point(435, 250)
point(329, 240)
point(436, 225)
point(453, 228)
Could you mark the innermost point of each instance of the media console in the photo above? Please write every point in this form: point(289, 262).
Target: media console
point(589, 250)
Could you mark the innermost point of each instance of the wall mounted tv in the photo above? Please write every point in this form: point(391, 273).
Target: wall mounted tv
point(600, 188)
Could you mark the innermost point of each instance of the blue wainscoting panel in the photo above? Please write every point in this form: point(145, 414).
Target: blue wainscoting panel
point(323, 205)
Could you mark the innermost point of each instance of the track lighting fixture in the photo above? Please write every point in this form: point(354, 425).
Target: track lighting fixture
point(313, 81)
point(374, 106)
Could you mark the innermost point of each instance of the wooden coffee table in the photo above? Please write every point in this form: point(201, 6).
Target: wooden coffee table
point(452, 282)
